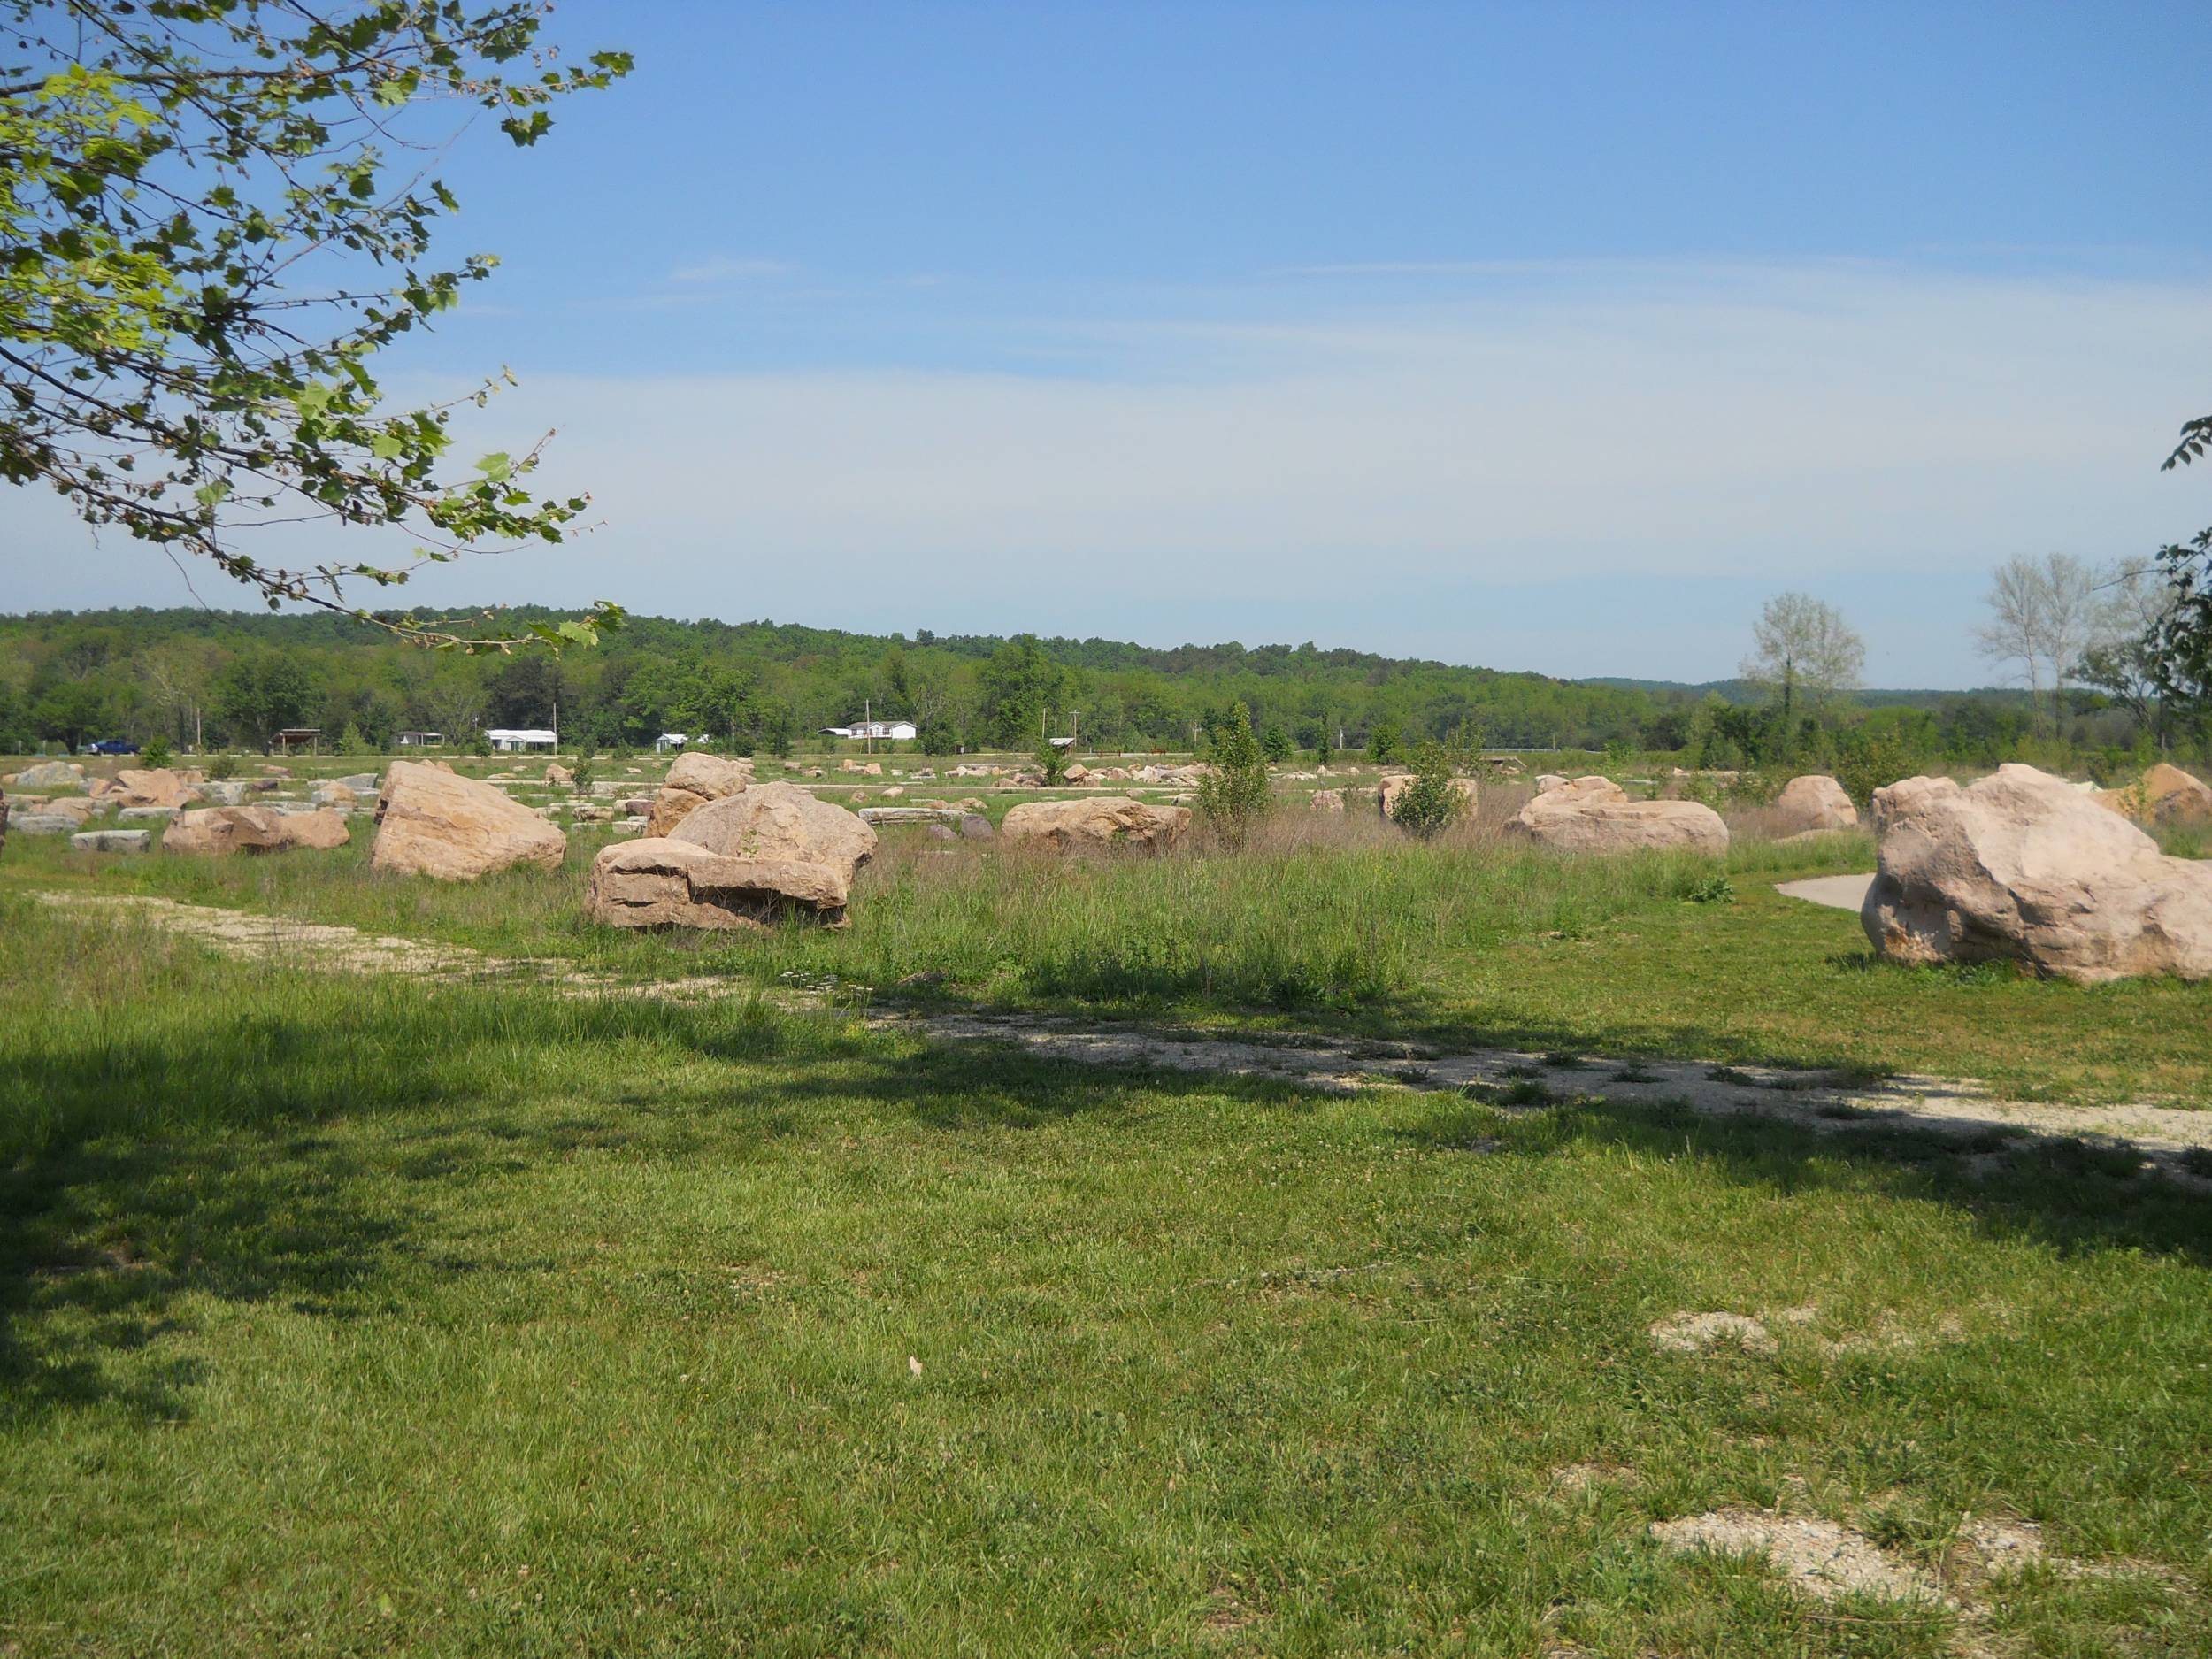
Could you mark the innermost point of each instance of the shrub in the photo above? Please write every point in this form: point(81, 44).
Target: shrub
point(935, 736)
point(157, 752)
point(1277, 745)
point(1052, 762)
point(351, 743)
point(1384, 744)
point(1233, 796)
point(583, 775)
point(223, 766)
point(1428, 803)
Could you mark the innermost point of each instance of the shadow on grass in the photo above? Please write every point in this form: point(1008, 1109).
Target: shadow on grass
point(223, 1158)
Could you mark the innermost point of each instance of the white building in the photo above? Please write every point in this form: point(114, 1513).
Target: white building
point(667, 740)
point(878, 731)
point(511, 740)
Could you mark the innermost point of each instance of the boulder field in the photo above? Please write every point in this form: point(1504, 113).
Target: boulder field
point(2021, 866)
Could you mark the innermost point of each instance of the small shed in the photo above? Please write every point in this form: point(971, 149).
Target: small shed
point(293, 739)
point(667, 740)
point(420, 740)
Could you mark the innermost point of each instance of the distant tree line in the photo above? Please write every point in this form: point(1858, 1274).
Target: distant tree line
point(221, 679)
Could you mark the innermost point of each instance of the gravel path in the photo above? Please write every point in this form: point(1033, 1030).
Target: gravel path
point(1823, 1102)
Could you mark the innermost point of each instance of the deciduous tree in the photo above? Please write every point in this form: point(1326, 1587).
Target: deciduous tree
point(213, 214)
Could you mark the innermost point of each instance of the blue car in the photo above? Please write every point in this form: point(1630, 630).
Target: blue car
point(111, 746)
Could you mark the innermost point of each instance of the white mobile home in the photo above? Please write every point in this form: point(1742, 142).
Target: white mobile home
point(514, 739)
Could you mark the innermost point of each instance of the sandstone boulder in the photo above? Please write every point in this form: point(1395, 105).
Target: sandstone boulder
point(558, 777)
point(2020, 866)
point(661, 882)
point(1813, 803)
point(2166, 795)
point(1327, 801)
point(694, 781)
point(431, 822)
point(336, 794)
point(50, 775)
point(780, 823)
point(76, 807)
point(1594, 815)
point(217, 832)
point(155, 786)
point(1101, 821)
point(45, 824)
point(1547, 781)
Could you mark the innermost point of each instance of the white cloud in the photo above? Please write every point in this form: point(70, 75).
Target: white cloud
point(1690, 436)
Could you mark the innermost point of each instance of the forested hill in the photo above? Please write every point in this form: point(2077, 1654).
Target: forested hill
point(235, 677)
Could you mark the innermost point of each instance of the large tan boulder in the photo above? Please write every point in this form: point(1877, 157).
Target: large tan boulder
point(218, 832)
point(1101, 821)
point(1594, 815)
point(2020, 866)
point(660, 882)
point(1327, 801)
point(2166, 794)
point(76, 807)
point(780, 823)
point(430, 821)
point(158, 786)
point(694, 781)
point(1811, 804)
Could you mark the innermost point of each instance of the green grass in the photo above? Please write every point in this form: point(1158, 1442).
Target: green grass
point(364, 1316)
point(1465, 942)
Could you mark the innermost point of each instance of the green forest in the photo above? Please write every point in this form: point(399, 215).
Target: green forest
point(210, 680)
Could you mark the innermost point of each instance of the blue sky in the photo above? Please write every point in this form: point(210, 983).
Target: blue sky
point(1538, 336)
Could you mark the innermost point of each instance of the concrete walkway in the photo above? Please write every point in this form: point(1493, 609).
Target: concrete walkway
point(1840, 893)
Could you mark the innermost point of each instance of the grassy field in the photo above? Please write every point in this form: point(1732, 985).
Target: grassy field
point(1346, 926)
point(351, 1315)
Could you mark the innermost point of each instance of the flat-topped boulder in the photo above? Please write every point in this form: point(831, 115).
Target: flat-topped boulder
point(1325, 801)
point(1594, 815)
point(219, 832)
point(431, 822)
point(111, 841)
point(1096, 823)
point(2020, 866)
point(694, 781)
point(780, 823)
point(663, 882)
point(1813, 804)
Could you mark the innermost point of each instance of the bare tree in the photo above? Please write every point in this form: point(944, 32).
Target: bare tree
point(2044, 614)
point(1802, 647)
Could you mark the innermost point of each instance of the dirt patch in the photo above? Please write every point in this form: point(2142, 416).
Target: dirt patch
point(1574, 1479)
point(1817, 1557)
point(1695, 1332)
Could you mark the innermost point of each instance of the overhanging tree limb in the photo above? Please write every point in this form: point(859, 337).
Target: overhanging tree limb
point(174, 178)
